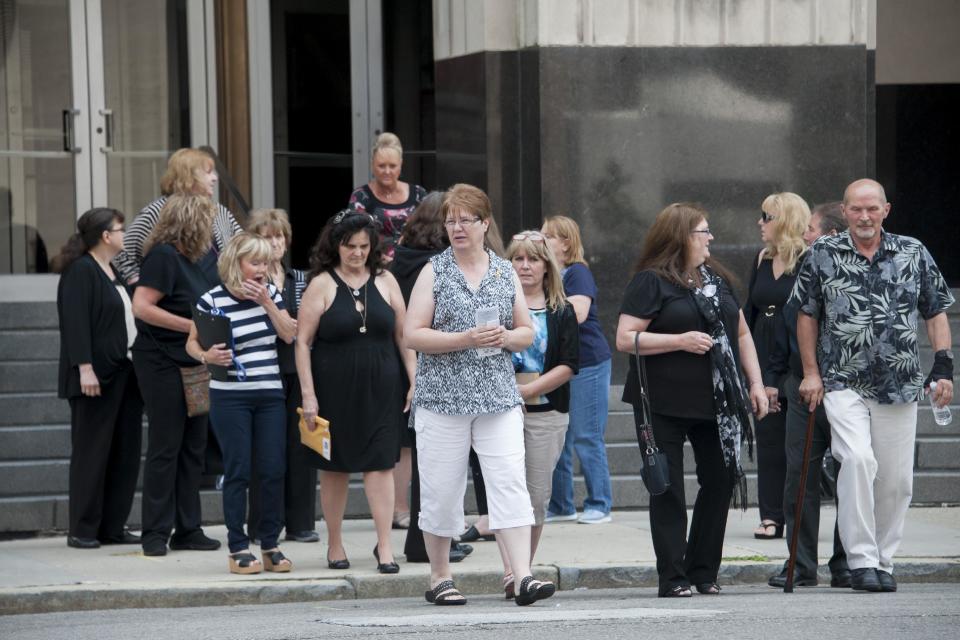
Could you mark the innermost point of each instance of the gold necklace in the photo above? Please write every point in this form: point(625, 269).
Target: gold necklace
point(361, 307)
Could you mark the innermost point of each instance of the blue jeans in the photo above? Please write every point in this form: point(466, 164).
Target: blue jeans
point(247, 423)
point(589, 391)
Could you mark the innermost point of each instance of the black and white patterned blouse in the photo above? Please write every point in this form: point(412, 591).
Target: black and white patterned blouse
point(868, 313)
point(463, 382)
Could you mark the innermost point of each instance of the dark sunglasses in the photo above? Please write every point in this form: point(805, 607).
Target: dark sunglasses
point(766, 217)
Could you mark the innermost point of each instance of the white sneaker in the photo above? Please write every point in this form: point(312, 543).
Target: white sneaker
point(592, 516)
point(557, 517)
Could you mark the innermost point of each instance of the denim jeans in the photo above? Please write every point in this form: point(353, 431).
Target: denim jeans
point(248, 423)
point(589, 391)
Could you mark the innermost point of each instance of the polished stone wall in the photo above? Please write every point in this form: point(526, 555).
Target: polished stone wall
point(611, 135)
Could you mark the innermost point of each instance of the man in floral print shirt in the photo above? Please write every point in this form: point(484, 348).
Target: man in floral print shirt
point(859, 295)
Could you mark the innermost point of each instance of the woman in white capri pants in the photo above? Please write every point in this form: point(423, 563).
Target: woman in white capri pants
point(465, 398)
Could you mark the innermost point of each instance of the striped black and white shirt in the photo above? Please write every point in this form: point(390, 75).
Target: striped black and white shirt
point(128, 261)
point(254, 340)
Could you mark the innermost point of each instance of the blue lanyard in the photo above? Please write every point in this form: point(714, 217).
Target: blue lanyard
point(238, 366)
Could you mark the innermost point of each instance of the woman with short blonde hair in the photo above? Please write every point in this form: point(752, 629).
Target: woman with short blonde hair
point(386, 197)
point(247, 408)
point(783, 220)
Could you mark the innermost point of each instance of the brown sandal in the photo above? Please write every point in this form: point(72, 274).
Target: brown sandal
point(274, 560)
point(244, 563)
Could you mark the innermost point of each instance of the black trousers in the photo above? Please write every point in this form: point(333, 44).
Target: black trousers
point(105, 434)
point(772, 463)
point(413, 547)
point(684, 559)
point(300, 480)
point(796, 433)
point(175, 450)
point(479, 487)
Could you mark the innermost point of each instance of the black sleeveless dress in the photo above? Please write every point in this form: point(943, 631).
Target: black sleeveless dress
point(357, 379)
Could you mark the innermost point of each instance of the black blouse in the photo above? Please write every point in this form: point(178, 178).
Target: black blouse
point(681, 383)
point(93, 327)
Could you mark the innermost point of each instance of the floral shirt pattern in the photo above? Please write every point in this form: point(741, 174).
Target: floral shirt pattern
point(868, 313)
point(391, 217)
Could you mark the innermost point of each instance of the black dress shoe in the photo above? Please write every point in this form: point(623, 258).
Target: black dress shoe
point(303, 536)
point(82, 543)
point(384, 567)
point(865, 579)
point(124, 538)
point(840, 580)
point(467, 549)
point(887, 582)
point(154, 547)
point(456, 555)
point(196, 541)
point(780, 580)
point(472, 535)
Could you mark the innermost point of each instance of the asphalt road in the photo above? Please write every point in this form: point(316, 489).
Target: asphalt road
point(917, 612)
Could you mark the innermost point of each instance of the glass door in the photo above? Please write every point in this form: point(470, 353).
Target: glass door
point(39, 134)
point(140, 104)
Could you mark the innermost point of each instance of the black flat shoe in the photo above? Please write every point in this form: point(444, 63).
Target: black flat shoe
point(154, 547)
point(385, 567)
point(303, 536)
point(472, 535)
point(708, 588)
point(679, 591)
point(82, 543)
point(196, 541)
point(780, 580)
point(865, 579)
point(124, 538)
point(338, 564)
point(465, 549)
point(840, 580)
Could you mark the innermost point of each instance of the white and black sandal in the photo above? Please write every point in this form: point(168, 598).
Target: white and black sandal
point(532, 590)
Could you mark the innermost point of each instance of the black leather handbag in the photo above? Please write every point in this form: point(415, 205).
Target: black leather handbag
point(655, 471)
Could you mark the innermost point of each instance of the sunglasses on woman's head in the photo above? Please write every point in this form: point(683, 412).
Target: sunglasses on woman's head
point(532, 235)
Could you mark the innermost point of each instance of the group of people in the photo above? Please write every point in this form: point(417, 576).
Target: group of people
point(430, 348)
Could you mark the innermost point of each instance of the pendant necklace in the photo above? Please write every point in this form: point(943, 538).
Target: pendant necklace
point(361, 307)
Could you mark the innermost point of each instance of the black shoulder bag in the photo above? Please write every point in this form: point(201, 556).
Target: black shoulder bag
point(655, 471)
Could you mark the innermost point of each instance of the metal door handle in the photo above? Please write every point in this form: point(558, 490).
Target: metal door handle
point(108, 129)
point(67, 125)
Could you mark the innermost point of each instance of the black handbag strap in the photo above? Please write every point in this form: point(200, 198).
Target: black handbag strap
point(645, 430)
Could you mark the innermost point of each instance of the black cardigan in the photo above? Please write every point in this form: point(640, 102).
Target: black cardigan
point(92, 325)
point(563, 347)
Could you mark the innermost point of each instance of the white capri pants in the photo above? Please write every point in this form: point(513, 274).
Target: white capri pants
point(543, 434)
point(443, 450)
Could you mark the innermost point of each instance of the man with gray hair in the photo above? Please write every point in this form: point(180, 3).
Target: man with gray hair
point(859, 295)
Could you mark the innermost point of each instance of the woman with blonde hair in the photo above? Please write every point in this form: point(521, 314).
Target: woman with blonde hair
point(189, 172)
point(588, 389)
point(783, 221)
point(543, 372)
point(386, 197)
point(300, 481)
point(180, 265)
point(247, 406)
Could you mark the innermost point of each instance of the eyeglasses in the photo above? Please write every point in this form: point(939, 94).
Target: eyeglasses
point(116, 230)
point(704, 231)
point(532, 235)
point(766, 217)
point(463, 222)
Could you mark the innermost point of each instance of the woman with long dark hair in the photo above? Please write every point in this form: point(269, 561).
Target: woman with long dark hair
point(97, 378)
point(680, 313)
point(349, 336)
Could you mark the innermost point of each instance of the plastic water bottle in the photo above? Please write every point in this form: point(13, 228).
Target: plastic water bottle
point(941, 415)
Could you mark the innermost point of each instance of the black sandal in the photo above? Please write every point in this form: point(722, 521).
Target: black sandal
point(679, 591)
point(244, 563)
point(766, 525)
point(445, 594)
point(708, 588)
point(274, 560)
point(532, 590)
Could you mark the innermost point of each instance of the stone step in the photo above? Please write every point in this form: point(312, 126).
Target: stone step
point(45, 513)
point(28, 376)
point(33, 409)
point(29, 315)
point(29, 344)
point(41, 442)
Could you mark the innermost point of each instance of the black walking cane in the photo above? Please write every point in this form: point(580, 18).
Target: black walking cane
point(798, 509)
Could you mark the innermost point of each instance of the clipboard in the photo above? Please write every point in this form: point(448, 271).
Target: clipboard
point(214, 329)
point(319, 438)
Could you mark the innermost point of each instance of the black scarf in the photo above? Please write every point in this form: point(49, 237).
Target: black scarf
point(729, 399)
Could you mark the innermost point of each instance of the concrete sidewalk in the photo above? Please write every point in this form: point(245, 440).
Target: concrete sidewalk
point(43, 574)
